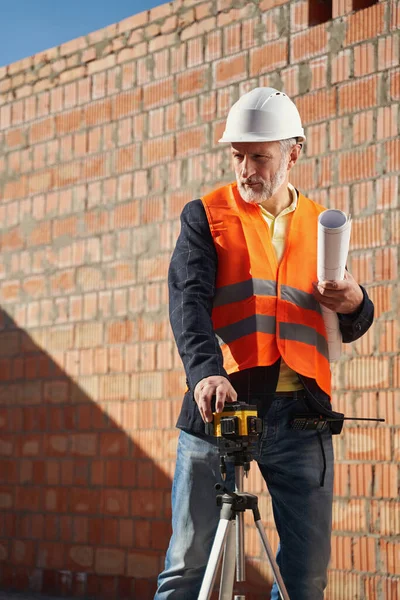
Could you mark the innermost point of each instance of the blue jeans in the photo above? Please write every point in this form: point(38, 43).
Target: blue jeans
point(293, 464)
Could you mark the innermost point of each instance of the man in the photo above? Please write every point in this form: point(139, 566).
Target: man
point(245, 312)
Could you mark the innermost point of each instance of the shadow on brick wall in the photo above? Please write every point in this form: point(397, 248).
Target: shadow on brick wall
point(85, 511)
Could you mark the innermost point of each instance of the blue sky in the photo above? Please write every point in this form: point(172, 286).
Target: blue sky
point(30, 26)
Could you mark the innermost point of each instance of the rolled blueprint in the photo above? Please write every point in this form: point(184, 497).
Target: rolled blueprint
point(334, 229)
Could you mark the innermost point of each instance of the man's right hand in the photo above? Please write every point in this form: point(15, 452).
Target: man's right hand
point(208, 387)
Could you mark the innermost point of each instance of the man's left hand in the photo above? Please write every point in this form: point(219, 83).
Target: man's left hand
point(340, 296)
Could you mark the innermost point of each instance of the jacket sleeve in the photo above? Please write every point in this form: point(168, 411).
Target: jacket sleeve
point(354, 325)
point(191, 284)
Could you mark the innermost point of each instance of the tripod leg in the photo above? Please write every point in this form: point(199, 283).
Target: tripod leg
point(228, 565)
point(214, 560)
point(240, 560)
point(275, 569)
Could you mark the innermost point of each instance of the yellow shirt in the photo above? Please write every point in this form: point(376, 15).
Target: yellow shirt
point(279, 227)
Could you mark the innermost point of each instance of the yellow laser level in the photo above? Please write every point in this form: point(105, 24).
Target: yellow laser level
point(237, 429)
point(235, 420)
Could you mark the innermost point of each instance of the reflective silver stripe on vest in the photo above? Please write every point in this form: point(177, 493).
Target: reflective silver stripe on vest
point(302, 299)
point(307, 335)
point(244, 289)
point(230, 333)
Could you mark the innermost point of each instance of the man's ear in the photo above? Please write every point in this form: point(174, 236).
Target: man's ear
point(294, 155)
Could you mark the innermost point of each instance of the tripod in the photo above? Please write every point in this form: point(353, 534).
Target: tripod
point(233, 506)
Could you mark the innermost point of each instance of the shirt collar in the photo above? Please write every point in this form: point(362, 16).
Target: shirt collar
point(292, 206)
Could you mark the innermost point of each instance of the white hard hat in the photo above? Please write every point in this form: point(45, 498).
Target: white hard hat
point(263, 115)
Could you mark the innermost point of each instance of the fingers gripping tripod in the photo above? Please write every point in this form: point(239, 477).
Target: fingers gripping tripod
point(236, 432)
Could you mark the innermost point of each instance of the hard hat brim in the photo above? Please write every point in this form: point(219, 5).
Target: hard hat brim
point(256, 137)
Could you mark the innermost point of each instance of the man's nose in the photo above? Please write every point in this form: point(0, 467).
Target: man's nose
point(247, 168)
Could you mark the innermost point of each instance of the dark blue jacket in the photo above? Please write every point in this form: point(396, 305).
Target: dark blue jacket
point(191, 282)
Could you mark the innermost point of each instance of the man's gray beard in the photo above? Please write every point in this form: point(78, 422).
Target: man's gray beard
point(268, 188)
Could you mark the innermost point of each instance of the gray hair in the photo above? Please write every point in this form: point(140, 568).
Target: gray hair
point(287, 145)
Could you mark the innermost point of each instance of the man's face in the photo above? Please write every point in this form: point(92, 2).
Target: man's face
point(260, 169)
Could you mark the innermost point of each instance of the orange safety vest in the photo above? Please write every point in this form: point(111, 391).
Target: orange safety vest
point(262, 310)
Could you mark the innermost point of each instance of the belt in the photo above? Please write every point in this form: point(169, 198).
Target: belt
point(291, 394)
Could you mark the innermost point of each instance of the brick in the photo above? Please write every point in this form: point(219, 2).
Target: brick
point(120, 273)
point(341, 7)
point(126, 158)
point(318, 106)
point(12, 240)
point(387, 122)
point(364, 59)
point(230, 70)
point(363, 128)
point(231, 39)
point(119, 332)
point(367, 232)
point(365, 24)
point(134, 22)
point(158, 94)
point(340, 66)
point(249, 38)
point(143, 564)
point(72, 74)
point(361, 477)
point(15, 138)
point(341, 552)
point(156, 122)
point(115, 502)
point(80, 557)
point(88, 335)
point(309, 43)
point(152, 210)
point(127, 215)
point(358, 95)
point(24, 91)
point(349, 515)
point(305, 178)
point(161, 42)
point(387, 193)
point(43, 130)
point(152, 269)
point(84, 444)
point(93, 168)
point(114, 445)
point(357, 165)
point(386, 267)
point(17, 112)
point(98, 112)
point(389, 552)
point(392, 152)
point(126, 103)
point(191, 141)
point(128, 77)
point(316, 140)
point(158, 150)
point(34, 286)
point(383, 519)
point(68, 122)
point(387, 339)
point(269, 57)
point(72, 46)
point(319, 68)
point(63, 282)
point(192, 82)
point(385, 481)
point(213, 45)
point(102, 64)
point(364, 554)
point(382, 297)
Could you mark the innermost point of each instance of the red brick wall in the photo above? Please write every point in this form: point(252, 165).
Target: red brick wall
point(102, 141)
